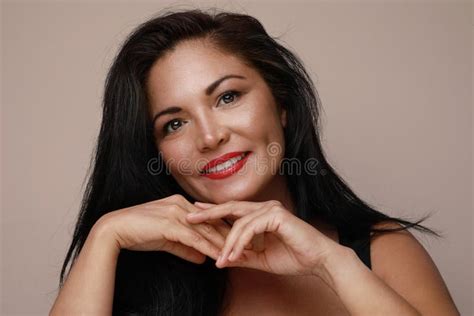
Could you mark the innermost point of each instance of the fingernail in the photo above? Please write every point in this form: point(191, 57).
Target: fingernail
point(203, 203)
point(220, 261)
point(231, 256)
point(223, 257)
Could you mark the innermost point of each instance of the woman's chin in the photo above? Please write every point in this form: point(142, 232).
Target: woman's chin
point(229, 195)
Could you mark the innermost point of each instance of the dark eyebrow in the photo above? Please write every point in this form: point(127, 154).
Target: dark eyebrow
point(209, 90)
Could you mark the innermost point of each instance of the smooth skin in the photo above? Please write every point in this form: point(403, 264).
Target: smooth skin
point(241, 115)
point(408, 284)
point(154, 226)
point(209, 126)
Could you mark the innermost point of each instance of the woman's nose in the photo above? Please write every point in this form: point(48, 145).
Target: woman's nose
point(211, 133)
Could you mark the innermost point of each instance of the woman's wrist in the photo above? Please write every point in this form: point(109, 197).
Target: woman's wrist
point(102, 232)
point(335, 263)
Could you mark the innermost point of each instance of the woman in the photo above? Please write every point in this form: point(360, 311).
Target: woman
point(210, 193)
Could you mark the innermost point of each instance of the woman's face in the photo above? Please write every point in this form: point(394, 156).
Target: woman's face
point(220, 106)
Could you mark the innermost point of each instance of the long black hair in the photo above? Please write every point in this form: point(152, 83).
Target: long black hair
point(158, 283)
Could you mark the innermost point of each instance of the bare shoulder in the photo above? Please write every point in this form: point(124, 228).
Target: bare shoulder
point(402, 262)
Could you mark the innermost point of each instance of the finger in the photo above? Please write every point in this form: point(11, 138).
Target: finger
point(265, 222)
point(242, 261)
point(235, 234)
point(224, 229)
point(207, 230)
point(186, 205)
point(256, 244)
point(182, 202)
point(221, 226)
point(248, 259)
point(215, 212)
point(204, 205)
point(230, 210)
point(192, 238)
point(184, 252)
point(211, 233)
point(229, 250)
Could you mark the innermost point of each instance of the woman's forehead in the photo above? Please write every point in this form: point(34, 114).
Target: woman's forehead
point(195, 60)
point(191, 68)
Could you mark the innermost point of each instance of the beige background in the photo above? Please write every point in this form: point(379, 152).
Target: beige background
point(395, 79)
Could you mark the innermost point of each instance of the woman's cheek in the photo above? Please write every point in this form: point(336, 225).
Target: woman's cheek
point(177, 157)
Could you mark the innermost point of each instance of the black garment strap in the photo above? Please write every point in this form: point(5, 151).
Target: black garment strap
point(360, 243)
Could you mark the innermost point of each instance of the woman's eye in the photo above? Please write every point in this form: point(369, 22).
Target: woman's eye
point(171, 126)
point(228, 97)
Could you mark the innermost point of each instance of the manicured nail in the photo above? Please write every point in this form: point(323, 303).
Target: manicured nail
point(203, 204)
point(220, 261)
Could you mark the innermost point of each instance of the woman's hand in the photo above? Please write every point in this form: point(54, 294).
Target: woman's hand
point(291, 246)
point(161, 226)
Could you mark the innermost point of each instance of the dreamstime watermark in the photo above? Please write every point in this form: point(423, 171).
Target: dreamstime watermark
point(272, 161)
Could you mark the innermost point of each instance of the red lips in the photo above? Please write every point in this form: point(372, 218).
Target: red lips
point(222, 159)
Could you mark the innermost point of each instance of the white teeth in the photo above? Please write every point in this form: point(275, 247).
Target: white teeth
point(229, 163)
